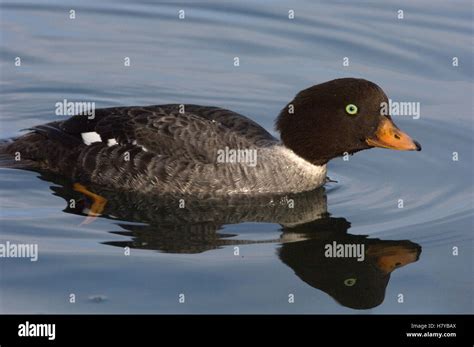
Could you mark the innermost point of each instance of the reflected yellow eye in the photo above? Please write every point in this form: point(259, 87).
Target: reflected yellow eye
point(350, 282)
point(352, 109)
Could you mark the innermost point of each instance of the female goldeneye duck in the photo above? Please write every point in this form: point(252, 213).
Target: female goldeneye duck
point(191, 149)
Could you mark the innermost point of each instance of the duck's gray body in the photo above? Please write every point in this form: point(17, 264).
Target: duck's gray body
point(168, 149)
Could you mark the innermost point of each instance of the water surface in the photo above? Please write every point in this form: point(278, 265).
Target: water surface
point(191, 251)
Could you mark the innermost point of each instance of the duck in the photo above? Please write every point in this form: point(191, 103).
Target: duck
point(193, 149)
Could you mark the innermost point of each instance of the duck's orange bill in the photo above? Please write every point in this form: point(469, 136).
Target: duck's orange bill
point(389, 136)
point(388, 258)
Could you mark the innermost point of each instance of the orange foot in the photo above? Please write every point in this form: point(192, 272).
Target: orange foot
point(98, 203)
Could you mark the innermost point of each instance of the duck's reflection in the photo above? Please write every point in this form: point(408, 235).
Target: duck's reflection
point(315, 245)
point(353, 283)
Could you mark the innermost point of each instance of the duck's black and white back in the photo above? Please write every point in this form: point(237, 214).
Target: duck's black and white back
point(168, 148)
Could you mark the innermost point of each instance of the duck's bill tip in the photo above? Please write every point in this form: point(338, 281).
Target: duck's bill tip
point(418, 146)
point(389, 136)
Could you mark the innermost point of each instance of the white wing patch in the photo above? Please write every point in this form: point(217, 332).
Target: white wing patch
point(111, 142)
point(90, 137)
point(134, 142)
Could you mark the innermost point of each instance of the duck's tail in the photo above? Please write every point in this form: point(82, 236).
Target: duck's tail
point(5, 157)
point(45, 146)
point(11, 150)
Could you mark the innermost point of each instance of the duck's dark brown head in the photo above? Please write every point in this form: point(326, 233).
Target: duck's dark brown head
point(338, 117)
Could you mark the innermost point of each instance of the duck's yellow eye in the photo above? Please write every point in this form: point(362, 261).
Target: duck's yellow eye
point(352, 109)
point(349, 282)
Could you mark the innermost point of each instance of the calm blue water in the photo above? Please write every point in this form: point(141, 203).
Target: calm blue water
point(191, 252)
